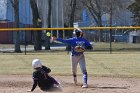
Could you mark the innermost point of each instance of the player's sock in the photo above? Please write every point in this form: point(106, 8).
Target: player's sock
point(85, 77)
point(85, 85)
point(75, 79)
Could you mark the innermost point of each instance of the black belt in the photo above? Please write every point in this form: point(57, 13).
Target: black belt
point(77, 54)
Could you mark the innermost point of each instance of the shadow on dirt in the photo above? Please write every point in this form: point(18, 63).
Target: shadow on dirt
point(108, 87)
point(54, 90)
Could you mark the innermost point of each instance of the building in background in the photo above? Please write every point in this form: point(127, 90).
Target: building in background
point(25, 15)
point(134, 37)
point(120, 18)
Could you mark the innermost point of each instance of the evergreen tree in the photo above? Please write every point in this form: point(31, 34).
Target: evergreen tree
point(135, 9)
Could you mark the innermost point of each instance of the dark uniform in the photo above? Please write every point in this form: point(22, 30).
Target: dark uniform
point(42, 79)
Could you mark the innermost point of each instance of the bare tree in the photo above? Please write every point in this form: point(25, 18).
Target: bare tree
point(94, 7)
point(47, 40)
point(49, 12)
point(135, 9)
point(72, 12)
point(99, 7)
point(37, 23)
point(15, 4)
point(70, 7)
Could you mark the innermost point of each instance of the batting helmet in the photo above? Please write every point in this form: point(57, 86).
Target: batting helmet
point(36, 63)
point(78, 32)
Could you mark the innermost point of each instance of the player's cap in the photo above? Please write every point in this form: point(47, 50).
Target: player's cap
point(36, 63)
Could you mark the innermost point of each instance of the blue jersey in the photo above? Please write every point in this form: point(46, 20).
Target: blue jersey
point(76, 41)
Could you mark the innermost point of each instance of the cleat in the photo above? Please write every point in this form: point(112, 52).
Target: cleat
point(85, 86)
point(56, 86)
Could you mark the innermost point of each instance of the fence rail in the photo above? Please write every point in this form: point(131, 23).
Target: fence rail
point(83, 28)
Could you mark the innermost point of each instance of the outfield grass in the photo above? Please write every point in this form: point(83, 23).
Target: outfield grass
point(124, 64)
point(118, 46)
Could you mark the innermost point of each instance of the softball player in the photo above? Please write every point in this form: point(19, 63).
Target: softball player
point(78, 57)
point(41, 77)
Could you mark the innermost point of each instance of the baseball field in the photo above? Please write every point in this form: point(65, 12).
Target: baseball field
point(108, 73)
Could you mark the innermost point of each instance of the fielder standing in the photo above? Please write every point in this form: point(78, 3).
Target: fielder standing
point(78, 45)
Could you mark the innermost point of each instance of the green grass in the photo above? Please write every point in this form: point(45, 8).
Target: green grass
point(118, 46)
point(116, 64)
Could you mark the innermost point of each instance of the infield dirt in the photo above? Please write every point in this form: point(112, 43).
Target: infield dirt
point(23, 83)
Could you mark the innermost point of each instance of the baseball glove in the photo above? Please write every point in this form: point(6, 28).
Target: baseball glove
point(79, 49)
